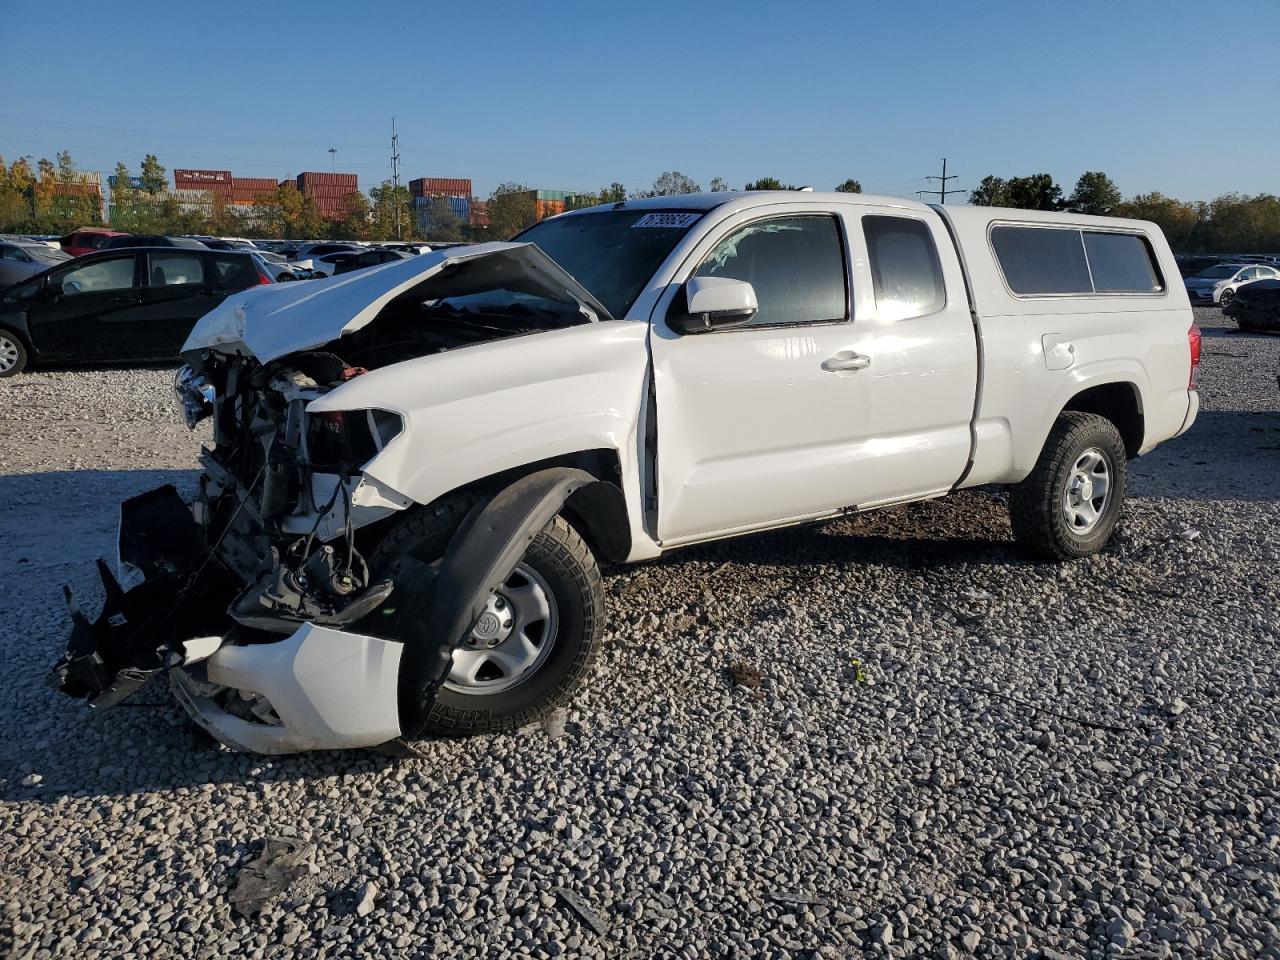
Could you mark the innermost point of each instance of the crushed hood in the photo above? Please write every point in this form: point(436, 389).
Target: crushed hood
point(271, 321)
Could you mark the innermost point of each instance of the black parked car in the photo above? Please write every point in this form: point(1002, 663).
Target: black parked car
point(117, 305)
point(151, 240)
point(370, 258)
point(1256, 306)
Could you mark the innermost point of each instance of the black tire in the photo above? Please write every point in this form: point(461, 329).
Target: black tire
point(1041, 524)
point(13, 354)
point(1226, 297)
point(565, 563)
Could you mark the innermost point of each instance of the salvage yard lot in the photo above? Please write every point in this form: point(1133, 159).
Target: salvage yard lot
point(953, 750)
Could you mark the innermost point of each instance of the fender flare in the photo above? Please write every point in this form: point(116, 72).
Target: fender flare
point(481, 555)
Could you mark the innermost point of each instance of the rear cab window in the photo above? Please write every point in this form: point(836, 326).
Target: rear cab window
point(1074, 261)
point(906, 274)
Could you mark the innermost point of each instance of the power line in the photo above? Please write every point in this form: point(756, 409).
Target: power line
point(942, 191)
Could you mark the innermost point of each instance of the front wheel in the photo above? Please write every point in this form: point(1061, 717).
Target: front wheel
point(534, 643)
point(1070, 504)
point(1226, 297)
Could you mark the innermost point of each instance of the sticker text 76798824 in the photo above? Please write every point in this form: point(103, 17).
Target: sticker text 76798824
point(667, 220)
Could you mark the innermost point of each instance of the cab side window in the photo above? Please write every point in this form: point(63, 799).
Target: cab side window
point(796, 265)
point(114, 274)
point(906, 274)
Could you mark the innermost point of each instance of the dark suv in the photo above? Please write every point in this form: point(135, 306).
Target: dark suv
point(117, 305)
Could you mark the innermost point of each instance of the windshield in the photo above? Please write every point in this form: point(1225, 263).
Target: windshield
point(1219, 272)
point(613, 254)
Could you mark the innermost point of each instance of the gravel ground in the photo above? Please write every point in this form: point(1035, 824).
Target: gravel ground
point(952, 751)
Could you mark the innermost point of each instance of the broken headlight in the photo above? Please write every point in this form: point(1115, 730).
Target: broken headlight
point(349, 439)
point(196, 395)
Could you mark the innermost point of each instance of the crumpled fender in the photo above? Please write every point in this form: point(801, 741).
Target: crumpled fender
point(486, 548)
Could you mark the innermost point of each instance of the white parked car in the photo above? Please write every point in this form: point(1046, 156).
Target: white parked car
point(314, 251)
point(416, 468)
point(1218, 284)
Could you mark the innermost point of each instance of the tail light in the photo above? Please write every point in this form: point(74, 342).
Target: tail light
point(263, 279)
point(1193, 342)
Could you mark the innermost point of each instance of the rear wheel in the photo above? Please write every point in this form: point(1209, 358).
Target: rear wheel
point(13, 354)
point(1070, 504)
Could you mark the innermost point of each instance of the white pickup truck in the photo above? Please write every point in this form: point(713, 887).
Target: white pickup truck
point(417, 467)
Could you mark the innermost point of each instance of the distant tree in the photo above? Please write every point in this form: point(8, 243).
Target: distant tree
point(16, 198)
point(1095, 193)
point(614, 193)
point(153, 175)
point(1177, 218)
point(718, 185)
point(1036, 192)
point(991, 191)
point(122, 199)
point(440, 222)
point(849, 186)
point(672, 183)
point(356, 213)
point(391, 205)
point(766, 183)
point(511, 209)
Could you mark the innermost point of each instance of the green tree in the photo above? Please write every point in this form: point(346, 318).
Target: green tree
point(1095, 193)
point(991, 191)
point(391, 206)
point(613, 193)
point(1036, 192)
point(768, 183)
point(123, 200)
point(16, 181)
point(849, 186)
point(356, 214)
point(1177, 218)
point(439, 222)
point(153, 175)
point(672, 183)
point(511, 209)
point(718, 185)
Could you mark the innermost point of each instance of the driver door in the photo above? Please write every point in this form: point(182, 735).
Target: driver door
point(852, 386)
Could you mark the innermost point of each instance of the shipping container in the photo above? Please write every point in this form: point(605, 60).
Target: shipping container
point(440, 187)
point(547, 208)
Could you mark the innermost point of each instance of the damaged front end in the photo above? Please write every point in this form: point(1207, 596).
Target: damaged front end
point(260, 595)
point(248, 595)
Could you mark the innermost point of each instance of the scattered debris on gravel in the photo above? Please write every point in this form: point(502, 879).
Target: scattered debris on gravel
point(1058, 761)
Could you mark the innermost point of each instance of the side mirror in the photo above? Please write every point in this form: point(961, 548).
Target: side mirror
point(715, 303)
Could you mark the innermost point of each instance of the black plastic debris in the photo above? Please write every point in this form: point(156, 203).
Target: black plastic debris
point(283, 863)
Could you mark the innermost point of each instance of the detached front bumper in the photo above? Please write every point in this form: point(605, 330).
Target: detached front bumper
point(317, 689)
point(309, 687)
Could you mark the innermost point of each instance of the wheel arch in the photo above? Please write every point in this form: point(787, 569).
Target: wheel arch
point(1120, 401)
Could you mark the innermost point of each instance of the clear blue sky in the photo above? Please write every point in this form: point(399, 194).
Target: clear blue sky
point(1178, 95)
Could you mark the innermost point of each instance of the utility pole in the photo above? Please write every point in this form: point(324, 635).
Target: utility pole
point(395, 172)
point(333, 159)
point(942, 191)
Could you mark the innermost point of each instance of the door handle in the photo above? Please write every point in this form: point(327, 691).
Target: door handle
point(846, 360)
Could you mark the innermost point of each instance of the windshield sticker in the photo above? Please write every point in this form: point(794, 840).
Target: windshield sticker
point(667, 220)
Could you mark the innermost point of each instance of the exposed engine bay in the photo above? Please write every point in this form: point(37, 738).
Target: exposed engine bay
point(264, 584)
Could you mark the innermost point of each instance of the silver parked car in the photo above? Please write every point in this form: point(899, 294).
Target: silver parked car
point(1219, 283)
point(20, 259)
